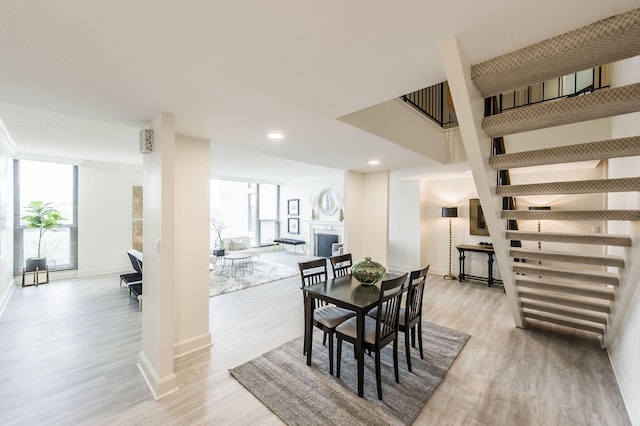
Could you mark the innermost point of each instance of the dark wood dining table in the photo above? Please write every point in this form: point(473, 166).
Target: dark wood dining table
point(348, 293)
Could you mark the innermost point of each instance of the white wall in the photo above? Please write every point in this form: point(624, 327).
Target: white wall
point(624, 351)
point(7, 151)
point(307, 192)
point(404, 225)
point(104, 217)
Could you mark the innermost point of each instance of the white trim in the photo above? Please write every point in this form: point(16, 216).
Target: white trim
point(192, 345)
point(6, 296)
point(633, 410)
point(159, 388)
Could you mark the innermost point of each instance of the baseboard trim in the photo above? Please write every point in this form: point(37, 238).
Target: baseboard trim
point(6, 295)
point(633, 410)
point(192, 345)
point(158, 387)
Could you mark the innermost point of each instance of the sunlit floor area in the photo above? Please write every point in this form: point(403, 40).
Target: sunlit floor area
point(69, 350)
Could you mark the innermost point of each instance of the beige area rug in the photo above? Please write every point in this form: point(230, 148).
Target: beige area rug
point(263, 272)
point(309, 395)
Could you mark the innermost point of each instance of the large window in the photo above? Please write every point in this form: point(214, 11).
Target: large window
point(247, 209)
point(49, 183)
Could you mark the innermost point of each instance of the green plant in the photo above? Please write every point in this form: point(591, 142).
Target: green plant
point(42, 216)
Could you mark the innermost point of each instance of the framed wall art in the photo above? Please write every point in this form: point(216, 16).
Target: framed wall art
point(293, 207)
point(477, 224)
point(293, 225)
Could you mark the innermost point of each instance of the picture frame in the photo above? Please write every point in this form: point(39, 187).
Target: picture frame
point(477, 223)
point(293, 225)
point(293, 207)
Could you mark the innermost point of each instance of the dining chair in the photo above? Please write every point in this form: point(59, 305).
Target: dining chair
point(326, 317)
point(341, 264)
point(410, 316)
point(378, 332)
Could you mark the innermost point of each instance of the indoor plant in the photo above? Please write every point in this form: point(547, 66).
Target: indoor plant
point(218, 225)
point(43, 217)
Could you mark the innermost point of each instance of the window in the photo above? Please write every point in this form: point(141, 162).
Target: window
point(247, 209)
point(50, 183)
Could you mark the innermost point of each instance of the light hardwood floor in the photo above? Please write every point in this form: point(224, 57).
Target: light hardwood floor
point(68, 353)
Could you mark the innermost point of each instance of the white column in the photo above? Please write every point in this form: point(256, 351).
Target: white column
point(193, 170)
point(156, 355)
point(366, 226)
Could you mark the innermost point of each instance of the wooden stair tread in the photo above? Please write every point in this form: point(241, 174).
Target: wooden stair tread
point(558, 237)
point(597, 317)
point(602, 42)
point(613, 148)
point(567, 301)
point(564, 322)
point(595, 292)
point(603, 278)
point(574, 215)
point(571, 187)
point(558, 256)
point(599, 104)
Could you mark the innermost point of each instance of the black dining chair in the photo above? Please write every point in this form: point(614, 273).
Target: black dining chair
point(341, 264)
point(378, 332)
point(326, 317)
point(411, 314)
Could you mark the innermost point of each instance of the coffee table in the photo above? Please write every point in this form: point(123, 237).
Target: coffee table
point(235, 262)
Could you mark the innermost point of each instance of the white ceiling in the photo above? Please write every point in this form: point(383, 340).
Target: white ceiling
point(232, 71)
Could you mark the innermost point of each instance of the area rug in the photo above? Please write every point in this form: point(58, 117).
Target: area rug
point(263, 272)
point(309, 395)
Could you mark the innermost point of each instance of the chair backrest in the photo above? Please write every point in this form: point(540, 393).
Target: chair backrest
point(341, 264)
point(135, 262)
point(415, 291)
point(389, 309)
point(313, 272)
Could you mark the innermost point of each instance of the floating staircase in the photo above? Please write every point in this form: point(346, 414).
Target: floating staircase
point(565, 286)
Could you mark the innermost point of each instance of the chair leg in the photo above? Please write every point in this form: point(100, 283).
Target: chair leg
point(407, 348)
point(324, 339)
point(413, 337)
point(338, 357)
point(420, 338)
point(378, 375)
point(395, 359)
point(331, 353)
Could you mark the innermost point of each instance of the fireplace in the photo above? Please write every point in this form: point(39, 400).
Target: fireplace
point(323, 244)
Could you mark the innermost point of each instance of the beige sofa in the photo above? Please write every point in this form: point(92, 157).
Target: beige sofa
point(239, 245)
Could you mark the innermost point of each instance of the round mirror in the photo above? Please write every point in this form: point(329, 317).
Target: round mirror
point(327, 202)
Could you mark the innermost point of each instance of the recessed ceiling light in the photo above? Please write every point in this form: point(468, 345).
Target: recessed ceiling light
point(275, 136)
point(374, 162)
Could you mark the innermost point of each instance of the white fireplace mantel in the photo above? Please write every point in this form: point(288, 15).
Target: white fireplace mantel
point(324, 227)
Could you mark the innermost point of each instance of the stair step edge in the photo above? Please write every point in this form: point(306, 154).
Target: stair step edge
point(566, 323)
point(600, 318)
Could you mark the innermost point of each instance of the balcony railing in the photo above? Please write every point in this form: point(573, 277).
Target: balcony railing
point(434, 102)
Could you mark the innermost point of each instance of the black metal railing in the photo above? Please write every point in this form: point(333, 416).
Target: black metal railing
point(575, 84)
point(435, 102)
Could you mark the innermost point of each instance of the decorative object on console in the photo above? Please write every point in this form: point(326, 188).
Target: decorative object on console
point(539, 225)
point(449, 212)
point(367, 271)
point(293, 207)
point(218, 225)
point(477, 224)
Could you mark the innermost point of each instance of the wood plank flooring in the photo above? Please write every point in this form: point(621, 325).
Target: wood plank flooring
point(68, 353)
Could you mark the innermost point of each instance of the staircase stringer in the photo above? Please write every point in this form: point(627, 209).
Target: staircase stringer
point(626, 291)
point(470, 111)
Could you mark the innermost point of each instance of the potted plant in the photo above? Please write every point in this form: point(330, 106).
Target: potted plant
point(43, 217)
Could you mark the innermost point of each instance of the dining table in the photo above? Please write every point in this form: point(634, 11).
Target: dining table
point(348, 293)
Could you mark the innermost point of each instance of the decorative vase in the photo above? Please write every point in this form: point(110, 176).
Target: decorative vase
point(313, 214)
point(341, 215)
point(367, 271)
point(219, 244)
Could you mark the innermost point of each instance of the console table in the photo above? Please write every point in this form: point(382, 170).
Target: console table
point(462, 249)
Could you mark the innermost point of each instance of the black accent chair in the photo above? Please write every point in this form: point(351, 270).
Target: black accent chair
point(411, 315)
point(326, 317)
point(341, 264)
point(380, 331)
point(133, 280)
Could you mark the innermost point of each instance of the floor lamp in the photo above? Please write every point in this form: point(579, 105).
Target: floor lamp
point(450, 212)
point(539, 227)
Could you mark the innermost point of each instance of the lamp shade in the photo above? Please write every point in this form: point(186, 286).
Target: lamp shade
point(539, 207)
point(449, 212)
